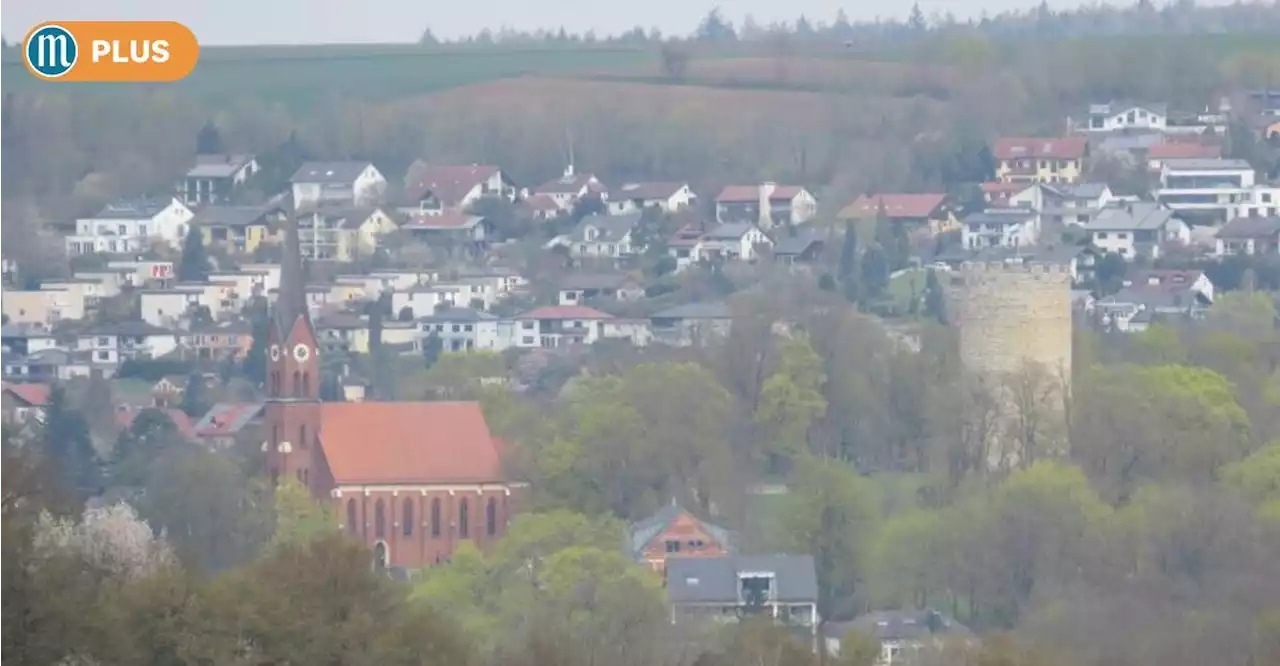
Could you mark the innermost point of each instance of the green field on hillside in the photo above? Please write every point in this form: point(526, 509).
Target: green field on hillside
point(299, 76)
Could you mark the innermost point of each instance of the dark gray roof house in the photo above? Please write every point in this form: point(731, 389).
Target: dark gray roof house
point(1250, 227)
point(719, 580)
point(135, 209)
point(601, 228)
point(219, 166)
point(237, 216)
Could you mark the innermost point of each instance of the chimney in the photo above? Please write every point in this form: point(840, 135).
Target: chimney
point(766, 211)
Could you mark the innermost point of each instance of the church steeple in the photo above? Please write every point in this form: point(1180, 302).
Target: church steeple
point(292, 363)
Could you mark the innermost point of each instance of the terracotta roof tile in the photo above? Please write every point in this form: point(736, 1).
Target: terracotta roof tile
point(899, 206)
point(450, 184)
point(125, 416)
point(1164, 151)
point(445, 220)
point(408, 442)
point(36, 395)
point(647, 191)
point(1068, 148)
point(564, 312)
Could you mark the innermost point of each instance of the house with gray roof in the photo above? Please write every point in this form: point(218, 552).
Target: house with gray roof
point(1000, 227)
point(784, 587)
point(577, 288)
point(665, 196)
point(801, 247)
point(1249, 235)
point(131, 226)
point(603, 236)
point(214, 177)
point(1073, 203)
point(733, 241)
point(1118, 116)
point(462, 329)
point(1137, 230)
point(676, 532)
point(901, 633)
point(691, 323)
point(356, 183)
point(238, 228)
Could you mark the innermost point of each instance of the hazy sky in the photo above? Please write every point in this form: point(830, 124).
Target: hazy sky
point(312, 21)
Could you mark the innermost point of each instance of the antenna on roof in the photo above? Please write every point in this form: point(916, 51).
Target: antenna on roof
point(568, 170)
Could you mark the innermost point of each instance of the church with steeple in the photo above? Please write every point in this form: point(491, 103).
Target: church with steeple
point(412, 480)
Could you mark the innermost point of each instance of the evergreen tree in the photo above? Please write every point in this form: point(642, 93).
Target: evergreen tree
point(209, 140)
point(194, 266)
point(195, 400)
point(431, 349)
point(70, 449)
point(255, 362)
point(875, 274)
point(935, 303)
point(847, 270)
point(916, 20)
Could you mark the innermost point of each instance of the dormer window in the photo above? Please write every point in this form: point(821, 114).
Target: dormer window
point(590, 233)
point(756, 589)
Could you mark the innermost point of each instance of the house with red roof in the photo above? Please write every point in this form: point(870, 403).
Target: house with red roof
point(24, 403)
point(434, 189)
point(914, 211)
point(1173, 150)
point(411, 480)
point(560, 326)
point(127, 414)
point(1040, 159)
point(569, 188)
point(226, 421)
point(766, 205)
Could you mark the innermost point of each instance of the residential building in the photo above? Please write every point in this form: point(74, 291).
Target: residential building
point(24, 339)
point(691, 323)
point(113, 344)
point(1158, 154)
point(226, 422)
point(902, 634)
point(766, 205)
point(353, 184)
point(451, 230)
point(1000, 227)
point(803, 248)
point(214, 178)
point(1073, 203)
point(22, 404)
point(174, 305)
point(1133, 308)
point(1127, 116)
point(144, 272)
point(238, 229)
point(578, 288)
point(1261, 200)
point(555, 326)
point(603, 236)
point(1168, 279)
point(1137, 230)
point(129, 226)
point(345, 333)
point(52, 365)
point(225, 341)
point(1040, 160)
point(167, 392)
point(89, 290)
point(342, 233)
point(126, 414)
point(998, 194)
point(733, 241)
point(43, 306)
point(928, 211)
point(1208, 186)
point(1243, 235)
point(675, 532)
point(783, 587)
point(463, 329)
point(568, 189)
point(423, 300)
point(411, 480)
point(435, 189)
point(667, 197)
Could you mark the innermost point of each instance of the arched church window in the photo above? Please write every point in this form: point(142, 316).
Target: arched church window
point(435, 517)
point(491, 517)
point(406, 516)
point(351, 516)
point(379, 520)
point(464, 530)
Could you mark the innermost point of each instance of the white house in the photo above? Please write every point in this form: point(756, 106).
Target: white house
point(1114, 116)
point(667, 197)
point(130, 226)
point(602, 236)
point(1001, 227)
point(341, 183)
point(1204, 185)
point(1261, 200)
point(1249, 235)
point(423, 300)
point(431, 189)
point(464, 329)
point(214, 177)
point(560, 326)
point(167, 307)
point(114, 344)
point(1078, 203)
point(737, 241)
point(569, 188)
point(767, 204)
point(1137, 230)
point(902, 634)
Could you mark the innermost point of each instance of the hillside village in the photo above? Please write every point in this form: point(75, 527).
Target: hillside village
point(778, 398)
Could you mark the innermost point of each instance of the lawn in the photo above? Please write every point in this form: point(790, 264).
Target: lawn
point(905, 285)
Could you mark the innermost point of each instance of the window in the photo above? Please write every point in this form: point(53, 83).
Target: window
point(468, 328)
point(406, 516)
point(1102, 235)
point(463, 529)
point(491, 517)
point(297, 383)
point(379, 520)
point(351, 516)
point(435, 517)
point(456, 328)
point(527, 325)
point(103, 342)
point(673, 546)
point(275, 383)
point(302, 436)
point(306, 383)
point(103, 356)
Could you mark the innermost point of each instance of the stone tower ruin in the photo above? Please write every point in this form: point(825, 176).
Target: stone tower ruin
point(1014, 325)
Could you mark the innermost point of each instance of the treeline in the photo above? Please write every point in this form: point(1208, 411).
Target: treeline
point(1143, 18)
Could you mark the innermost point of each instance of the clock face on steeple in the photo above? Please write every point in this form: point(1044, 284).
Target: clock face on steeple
point(275, 352)
point(302, 353)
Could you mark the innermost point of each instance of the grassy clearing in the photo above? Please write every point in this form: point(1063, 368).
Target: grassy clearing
point(906, 285)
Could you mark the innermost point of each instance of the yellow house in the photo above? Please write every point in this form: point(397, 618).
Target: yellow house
point(349, 334)
point(238, 229)
point(1040, 160)
point(342, 234)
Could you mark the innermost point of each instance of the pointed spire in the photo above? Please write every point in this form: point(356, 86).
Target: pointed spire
point(291, 299)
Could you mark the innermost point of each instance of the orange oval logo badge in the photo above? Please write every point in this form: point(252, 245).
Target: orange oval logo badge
point(132, 51)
